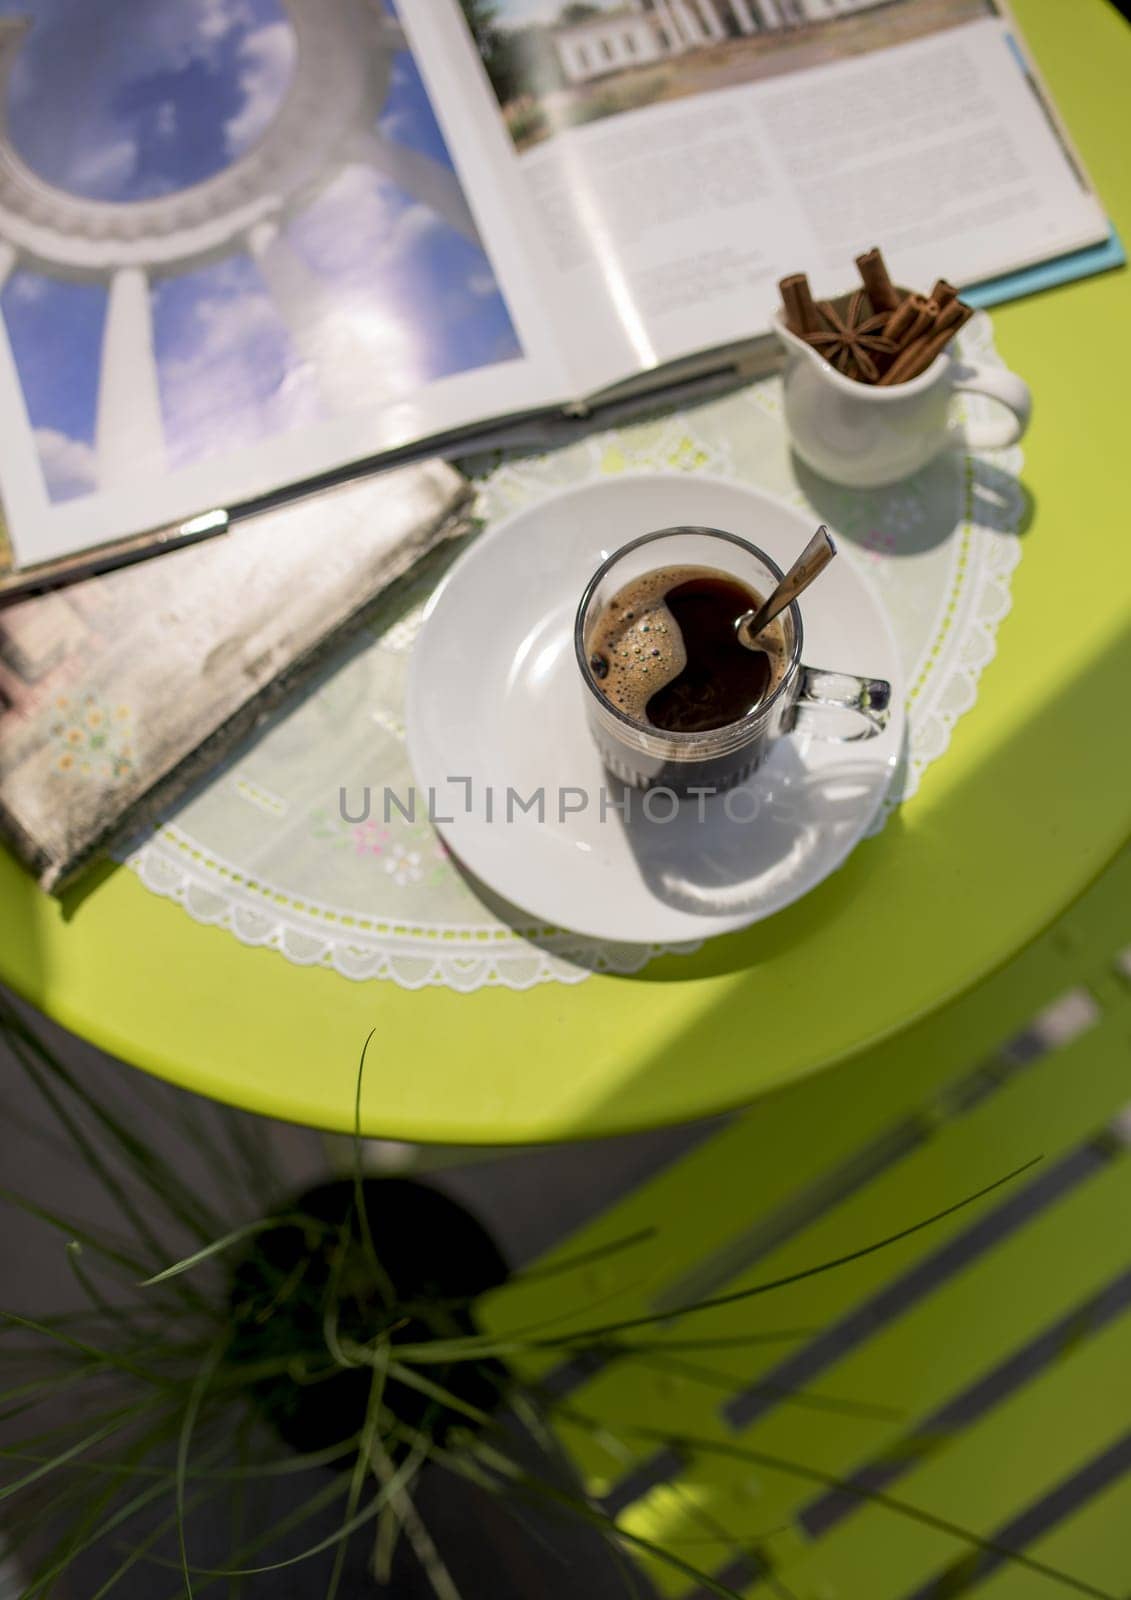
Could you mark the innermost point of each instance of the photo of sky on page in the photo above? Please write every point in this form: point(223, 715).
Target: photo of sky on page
point(234, 252)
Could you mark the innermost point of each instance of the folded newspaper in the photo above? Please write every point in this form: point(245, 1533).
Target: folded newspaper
point(118, 692)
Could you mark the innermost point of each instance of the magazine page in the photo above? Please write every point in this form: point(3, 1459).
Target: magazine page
point(237, 250)
point(682, 155)
point(455, 43)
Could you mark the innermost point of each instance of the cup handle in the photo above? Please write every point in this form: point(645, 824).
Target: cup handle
point(994, 433)
point(868, 699)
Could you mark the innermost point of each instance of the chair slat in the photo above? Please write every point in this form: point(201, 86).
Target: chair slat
point(1094, 1544)
point(1017, 1454)
point(1050, 1278)
point(1049, 1109)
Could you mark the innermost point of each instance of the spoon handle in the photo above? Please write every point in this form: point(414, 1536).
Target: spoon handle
point(813, 559)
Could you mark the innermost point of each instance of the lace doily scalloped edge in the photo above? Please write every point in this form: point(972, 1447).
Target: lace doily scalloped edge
point(462, 964)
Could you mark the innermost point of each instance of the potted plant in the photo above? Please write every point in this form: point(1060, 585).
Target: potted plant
point(271, 1402)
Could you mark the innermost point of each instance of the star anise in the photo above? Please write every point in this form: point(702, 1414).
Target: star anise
point(853, 341)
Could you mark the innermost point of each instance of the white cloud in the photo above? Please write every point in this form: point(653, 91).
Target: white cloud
point(69, 465)
point(222, 328)
point(415, 223)
point(218, 17)
point(228, 277)
point(104, 167)
point(267, 60)
point(394, 123)
point(482, 284)
point(28, 288)
point(212, 386)
point(165, 38)
point(362, 226)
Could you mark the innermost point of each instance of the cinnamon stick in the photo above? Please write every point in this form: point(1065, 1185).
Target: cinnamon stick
point(801, 314)
point(914, 360)
point(909, 321)
point(943, 293)
point(900, 320)
point(953, 316)
point(874, 276)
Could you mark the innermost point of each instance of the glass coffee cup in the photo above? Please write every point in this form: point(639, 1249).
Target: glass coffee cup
point(826, 704)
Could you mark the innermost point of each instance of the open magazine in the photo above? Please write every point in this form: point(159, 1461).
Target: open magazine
point(250, 243)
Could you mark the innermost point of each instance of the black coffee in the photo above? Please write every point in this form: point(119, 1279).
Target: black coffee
point(722, 679)
point(666, 652)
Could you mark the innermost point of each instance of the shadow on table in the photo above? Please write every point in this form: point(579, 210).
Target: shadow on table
point(88, 883)
point(23, 910)
point(729, 862)
point(966, 890)
point(713, 865)
point(991, 501)
point(717, 956)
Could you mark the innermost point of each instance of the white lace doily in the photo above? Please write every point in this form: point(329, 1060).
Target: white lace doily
point(264, 851)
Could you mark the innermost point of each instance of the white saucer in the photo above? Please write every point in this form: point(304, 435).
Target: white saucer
point(494, 700)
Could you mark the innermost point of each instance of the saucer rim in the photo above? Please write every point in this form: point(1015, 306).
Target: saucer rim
point(717, 924)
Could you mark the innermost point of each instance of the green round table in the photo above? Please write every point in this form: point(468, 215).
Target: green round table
point(1029, 805)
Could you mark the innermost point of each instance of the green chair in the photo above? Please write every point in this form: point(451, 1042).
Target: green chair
point(826, 1439)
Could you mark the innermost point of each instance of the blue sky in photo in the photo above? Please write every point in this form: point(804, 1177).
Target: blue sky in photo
point(126, 100)
point(56, 335)
point(144, 96)
point(408, 117)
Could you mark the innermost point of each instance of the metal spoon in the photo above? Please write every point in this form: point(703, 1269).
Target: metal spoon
point(813, 559)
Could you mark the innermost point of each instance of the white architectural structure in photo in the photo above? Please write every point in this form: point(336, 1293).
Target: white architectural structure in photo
point(324, 125)
point(648, 30)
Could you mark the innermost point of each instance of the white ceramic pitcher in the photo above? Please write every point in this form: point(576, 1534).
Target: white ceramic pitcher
point(860, 435)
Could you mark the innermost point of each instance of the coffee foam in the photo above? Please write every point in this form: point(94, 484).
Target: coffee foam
point(641, 641)
point(638, 637)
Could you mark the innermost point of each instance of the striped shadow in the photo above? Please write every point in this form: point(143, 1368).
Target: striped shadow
point(1022, 1367)
point(1036, 1520)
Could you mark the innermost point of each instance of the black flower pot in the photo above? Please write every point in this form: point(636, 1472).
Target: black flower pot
point(308, 1283)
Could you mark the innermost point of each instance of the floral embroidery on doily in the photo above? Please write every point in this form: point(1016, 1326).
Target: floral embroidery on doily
point(404, 866)
point(371, 838)
point(408, 852)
